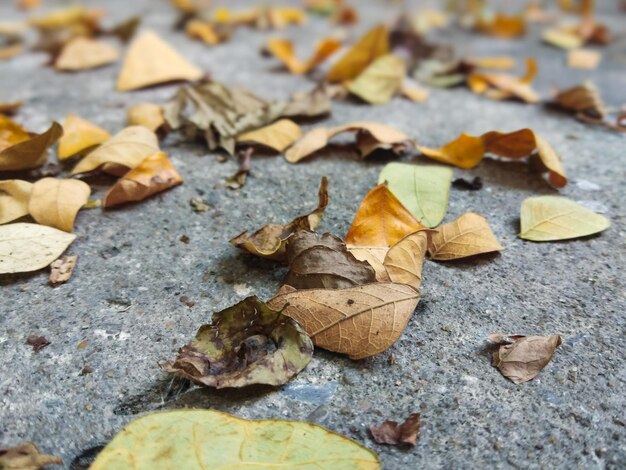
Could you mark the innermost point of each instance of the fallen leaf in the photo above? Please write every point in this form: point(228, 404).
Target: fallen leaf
point(380, 81)
point(358, 321)
point(122, 152)
point(322, 261)
point(248, 343)
point(548, 218)
point(584, 99)
point(148, 115)
point(563, 38)
point(373, 44)
point(473, 185)
point(14, 197)
point(55, 202)
point(11, 133)
point(521, 358)
point(27, 457)
point(270, 240)
point(423, 190)
point(503, 86)
point(407, 41)
point(587, 59)
point(166, 439)
point(315, 103)
point(211, 34)
point(502, 26)
point(198, 205)
point(151, 61)
point(414, 92)
point(405, 259)
point(468, 235)
point(381, 220)
point(153, 175)
point(191, 6)
point(27, 154)
point(79, 135)
point(466, 151)
point(392, 433)
point(237, 180)
point(61, 270)
point(278, 136)
point(30, 247)
point(38, 343)
point(283, 50)
point(83, 53)
point(491, 62)
point(374, 256)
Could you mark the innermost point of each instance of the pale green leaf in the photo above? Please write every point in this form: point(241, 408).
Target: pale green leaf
point(380, 80)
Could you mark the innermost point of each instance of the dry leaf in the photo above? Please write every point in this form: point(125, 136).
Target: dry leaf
point(14, 197)
point(9, 108)
point(502, 26)
point(469, 235)
point(29, 247)
point(563, 38)
point(237, 180)
point(381, 220)
point(392, 433)
point(153, 175)
point(148, 115)
point(248, 343)
point(79, 135)
point(358, 321)
point(548, 218)
point(11, 133)
point(405, 259)
point(61, 270)
point(491, 62)
point(122, 152)
point(26, 457)
point(38, 343)
point(26, 154)
point(584, 99)
point(83, 53)
point(56, 202)
point(414, 92)
point(374, 256)
point(521, 358)
point(211, 34)
point(191, 6)
point(322, 261)
point(277, 136)
point(380, 81)
point(269, 241)
point(503, 86)
point(150, 61)
point(466, 151)
point(283, 50)
point(587, 59)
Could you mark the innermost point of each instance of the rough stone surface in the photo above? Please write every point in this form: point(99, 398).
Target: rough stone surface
point(123, 302)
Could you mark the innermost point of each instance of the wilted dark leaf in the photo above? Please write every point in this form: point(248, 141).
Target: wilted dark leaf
point(38, 343)
point(390, 432)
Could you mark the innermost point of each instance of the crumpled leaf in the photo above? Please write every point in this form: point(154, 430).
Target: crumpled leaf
point(79, 135)
point(404, 260)
point(548, 218)
point(148, 115)
point(468, 235)
point(374, 256)
point(83, 53)
point(269, 241)
point(26, 154)
point(358, 321)
point(61, 270)
point(521, 358)
point(151, 61)
point(14, 196)
point(248, 343)
point(153, 175)
point(392, 433)
point(501, 86)
point(283, 50)
point(166, 439)
point(502, 26)
point(322, 261)
point(423, 190)
point(55, 202)
point(122, 152)
point(26, 457)
point(381, 80)
point(29, 247)
point(277, 136)
point(373, 44)
point(381, 220)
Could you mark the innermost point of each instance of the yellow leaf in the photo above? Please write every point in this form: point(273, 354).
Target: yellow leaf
point(277, 136)
point(414, 92)
point(380, 81)
point(55, 202)
point(150, 61)
point(375, 256)
point(84, 53)
point(26, 154)
point(465, 151)
point(503, 26)
point(373, 44)
point(468, 235)
point(502, 86)
point(14, 196)
point(66, 17)
point(283, 50)
point(405, 259)
point(148, 115)
point(492, 62)
point(79, 135)
point(548, 218)
point(563, 38)
point(586, 59)
point(11, 133)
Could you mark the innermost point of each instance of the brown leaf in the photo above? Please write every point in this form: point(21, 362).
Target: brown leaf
point(277, 136)
point(283, 50)
point(26, 457)
point(466, 151)
point(148, 115)
point(9, 108)
point(38, 343)
point(521, 358)
point(79, 135)
point(392, 433)
point(55, 202)
point(584, 98)
point(405, 259)
point(322, 261)
point(26, 154)
point(83, 53)
point(503, 86)
point(374, 256)
point(358, 321)
point(14, 197)
point(61, 270)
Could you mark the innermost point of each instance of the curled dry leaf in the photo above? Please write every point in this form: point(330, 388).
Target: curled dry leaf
point(148, 115)
point(469, 235)
point(26, 457)
point(122, 152)
point(153, 175)
point(381, 220)
point(248, 343)
point(79, 135)
point(548, 218)
point(521, 358)
point(269, 241)
point(283, 50)
point(395, 434)
point(380, 81)
point(61, 270)
point(83, 53)
point(374, 256)
point(26, 154)
point(405, 259)
point(582, 99)
point(322, 261)
point(358, 321)
point(151, 61)
point(277, 136)
point(466, 151)
point(503, 86)
point(266, 443)
point(14, 197)
point(29, 247)
point(55, 202)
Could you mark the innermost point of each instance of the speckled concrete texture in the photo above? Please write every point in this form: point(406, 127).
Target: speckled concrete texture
point(123, 302)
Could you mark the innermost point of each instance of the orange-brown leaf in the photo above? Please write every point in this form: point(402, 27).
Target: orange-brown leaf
point(284, 51)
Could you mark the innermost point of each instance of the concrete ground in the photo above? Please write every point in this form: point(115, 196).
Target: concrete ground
point(123, 303)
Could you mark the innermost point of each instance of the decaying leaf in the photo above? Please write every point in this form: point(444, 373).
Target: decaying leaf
point(374, 256)
point(83, 53)
point(380, 81)
point(150, 61)
point(469, 235)
point(55, 202)
point(405, 259)
point(381, 220)
point(501, 86)
point(29, 247)
point(153, 175)
point(502, 26)
point(269, 241)
point(322, 261)
point(277, 136)
point(122, 152)
point(14, 197)
point(38, 343)
point(148, 115)
point(61, 270)
point(248, 343)
point(423, 190)
point(79, 135)
point(395, 434)
point(548, 218)
point(587, 59)
point(521, 358)
point(26, 457)
point(172, 439)
point(26, 154)
point(358, 321)
point(284, 51)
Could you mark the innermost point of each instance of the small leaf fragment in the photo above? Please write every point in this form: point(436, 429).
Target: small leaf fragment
point(277, 136)
point(82, 53)
point(14, 197)
point(38, 343)
point(79, 135)
point(61, 270)
point(26, 457)
point(55, 202)
point(31, 153)
point(468, 235)
point(395, 434)
point(373, 44)
point(405, 259)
